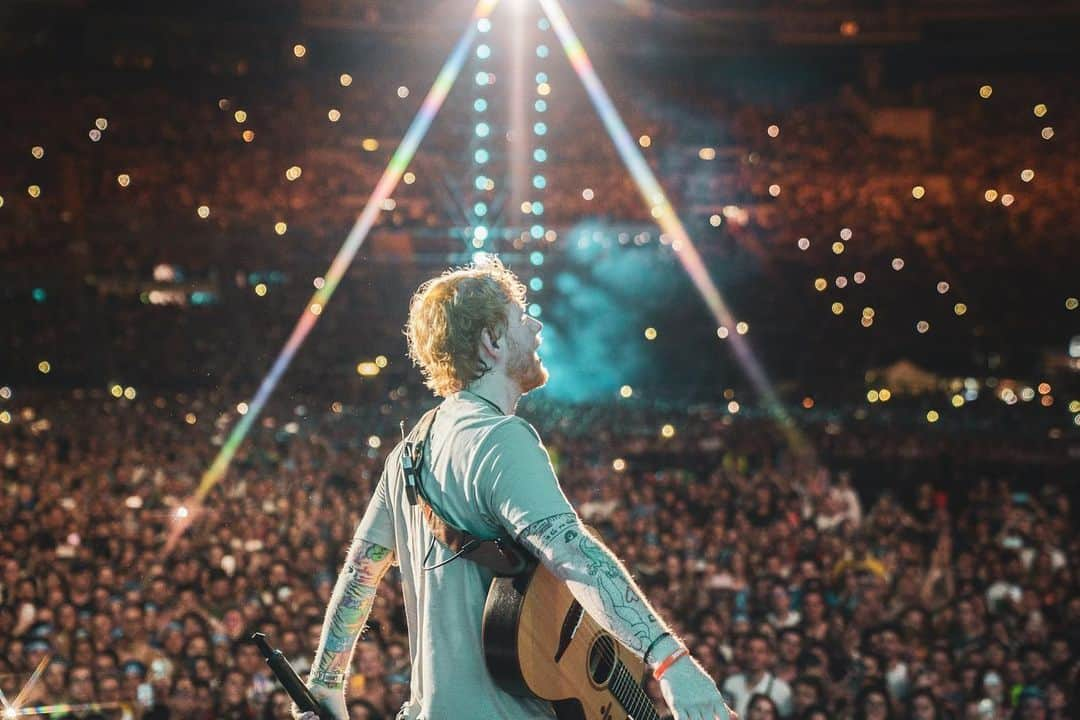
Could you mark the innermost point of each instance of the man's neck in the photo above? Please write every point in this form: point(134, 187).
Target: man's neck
point(497, 389)
point(753, 678)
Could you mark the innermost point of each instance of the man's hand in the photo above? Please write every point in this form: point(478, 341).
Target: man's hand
point(332, 701)
point(691, 693)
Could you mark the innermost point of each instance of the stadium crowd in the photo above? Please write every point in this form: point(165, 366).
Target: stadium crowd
point(806, 588)
point(803, 597)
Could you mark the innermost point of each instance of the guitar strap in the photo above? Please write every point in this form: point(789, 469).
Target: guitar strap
point(501, 555)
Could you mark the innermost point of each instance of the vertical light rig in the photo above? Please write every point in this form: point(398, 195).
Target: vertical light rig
point(478, 237)
point(536, 234)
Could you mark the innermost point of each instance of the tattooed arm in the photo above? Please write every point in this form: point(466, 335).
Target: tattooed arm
point(347, 612)
point(599, 582)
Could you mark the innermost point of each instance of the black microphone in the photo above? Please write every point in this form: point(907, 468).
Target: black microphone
point(288, 678)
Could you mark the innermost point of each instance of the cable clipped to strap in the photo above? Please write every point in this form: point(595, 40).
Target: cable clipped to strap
point(408, 466)
point(467, 547)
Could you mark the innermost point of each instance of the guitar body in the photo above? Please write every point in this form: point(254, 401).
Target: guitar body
point(539, 642)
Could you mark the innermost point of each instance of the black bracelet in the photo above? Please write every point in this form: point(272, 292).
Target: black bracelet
point(648, 650)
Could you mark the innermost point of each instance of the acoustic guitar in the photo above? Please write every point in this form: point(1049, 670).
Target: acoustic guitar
point(539, 642)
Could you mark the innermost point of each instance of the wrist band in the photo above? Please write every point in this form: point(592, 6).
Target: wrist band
point(648, 650)
point(669, 661)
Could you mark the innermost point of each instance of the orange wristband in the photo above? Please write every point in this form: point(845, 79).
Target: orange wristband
point(668, 662)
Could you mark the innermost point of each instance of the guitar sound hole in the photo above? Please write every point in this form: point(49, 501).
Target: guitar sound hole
point(602, 660)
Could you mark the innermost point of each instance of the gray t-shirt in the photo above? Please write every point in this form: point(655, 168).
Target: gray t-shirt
point(486, 473)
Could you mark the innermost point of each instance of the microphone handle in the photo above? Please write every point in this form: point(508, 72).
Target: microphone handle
point(283, 671)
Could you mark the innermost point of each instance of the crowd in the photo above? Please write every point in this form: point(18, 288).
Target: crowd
point(850, 569)
point(807, 591)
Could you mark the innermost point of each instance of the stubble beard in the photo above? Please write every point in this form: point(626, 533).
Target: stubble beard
point(526, 369)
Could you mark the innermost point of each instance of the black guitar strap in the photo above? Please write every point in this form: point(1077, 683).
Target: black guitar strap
point(501, 555)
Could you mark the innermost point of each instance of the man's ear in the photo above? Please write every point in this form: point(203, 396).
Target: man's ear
point(488, 344)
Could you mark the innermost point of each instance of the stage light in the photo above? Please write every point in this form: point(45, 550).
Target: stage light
point(402, 92)
point(618, 464)
point(959, 308)
point(540, 105)
point(859, 277)
point(541, 77)
point(707, 153)
point(1027, 175)
point(5, 418)
point(481, 79)
point(38, 152)
point(932, 416)
point(1039, 110)
point(539, 182)
point(537, 232)
point(536, 284)
point(299, 50)
point(480, 105)
point(588, 194)
point(240, 116)
point(990, 195)
point(203, 211)
point(1047, 132)
point(1071, 303)
point(34, 191)
point(942, 287)
point(985, 91)
point(370, 144)
point(483, 25)
point(374, 442)
point(845, 234)
point(804, 243)
point(773, 131)
point(345, 79)
point(668, 431)
point(480, 209)
point(101, 124)
point(481, 156)
point(838, 247)
point(482, 129)
point(248, 135)
point(626, 391)
point(480, 233)
point(722, 332)
point(918, 192)
point(841, 282)
point(280, 228)
point(733, 407)
point(129, 393)
point(650, 333)
point(644, 141)
point(123, 179)
point(540, 128)
point(820, 284)
point(542, 51)
point(774, 190)
point(1007, 199)
point(483, 52)
point(116, 391)
point(261, 290)
point(389, 204)
point(535, 310)
point(537, 209)
point(837, 308)
point(408, 178)
point(922, 327)
point(898, 264)
point(481, 182)
point(536, 258)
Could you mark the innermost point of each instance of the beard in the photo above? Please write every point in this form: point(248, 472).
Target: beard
point(525, 368)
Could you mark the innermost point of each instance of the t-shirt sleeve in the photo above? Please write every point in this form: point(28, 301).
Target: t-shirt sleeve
point(515, 476)
point(377, 525)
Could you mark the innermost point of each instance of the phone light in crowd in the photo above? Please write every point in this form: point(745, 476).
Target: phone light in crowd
point(626, 391)
point(667, 431)
point(345, 79)
point(182, 512)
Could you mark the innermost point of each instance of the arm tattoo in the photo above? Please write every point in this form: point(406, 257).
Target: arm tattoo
point(350, 605)
point(595, 577)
